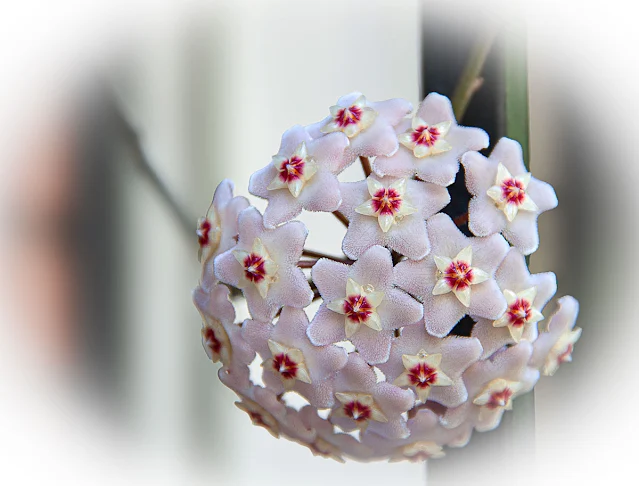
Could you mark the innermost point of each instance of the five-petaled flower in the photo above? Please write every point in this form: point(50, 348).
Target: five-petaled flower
point(390, 212)
point(526, 295)
point(361, 304)
point(457, 278)
point(302, 175)
point(217, 231)
point(264, 265)
point(555, 347)
point(432, 144)
point(369, 125)
point(506, 198)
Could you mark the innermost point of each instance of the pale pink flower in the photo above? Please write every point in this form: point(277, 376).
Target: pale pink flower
point(555, 347)
point(361, 304)
point(302, 175)
point(368, 125)
point(492, 384)
point(526, 296)
point(432, 143)
point(390, 212)
point(264, 265)
point(217, 231)
point(291, 362)
point(506, 198)
point(426, 440)
point(363, 404)
point(430, 366)
point(456, 278)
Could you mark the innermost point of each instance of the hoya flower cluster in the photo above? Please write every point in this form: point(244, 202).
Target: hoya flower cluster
point(388, 366)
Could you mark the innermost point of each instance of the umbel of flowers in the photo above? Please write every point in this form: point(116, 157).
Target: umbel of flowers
point(385, 367)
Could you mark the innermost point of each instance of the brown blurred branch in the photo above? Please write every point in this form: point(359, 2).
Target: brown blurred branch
point(132, 140)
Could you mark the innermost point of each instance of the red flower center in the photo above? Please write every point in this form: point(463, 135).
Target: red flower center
point(387, 202)
point(357, 411)
point(425, 135)
point(459, 275)
point(565, 356)
point(357, 308)
point(211, 340)
point(203, 231)
point(513, 191)
point(285, 366)
point(348, 116)
point(519, 312)
point(292, 169)
point(499, 399)
point(422, 376)
point(257, 419)
point(254, 269)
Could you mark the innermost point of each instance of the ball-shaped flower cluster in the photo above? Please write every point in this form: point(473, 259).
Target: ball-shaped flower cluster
point(425, 332)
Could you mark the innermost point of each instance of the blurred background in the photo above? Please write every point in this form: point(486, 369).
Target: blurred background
point(102, 373)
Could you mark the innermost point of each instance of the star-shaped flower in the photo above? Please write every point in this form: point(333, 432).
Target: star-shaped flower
point(506, 198)
point(432, 144)
point(426, 441)
point(526, 296)
point(264, 409)
point(390, 212)
point(217, 231)
point(432, 367)
point(368, 125)
point(291, 362)
point(362, 403)
point(264, 265)
point(555, 347)
point(327, 443)
point(361, 304)
point(448, 280)
point(221, 337)
point(302, 175)
point(492, 384)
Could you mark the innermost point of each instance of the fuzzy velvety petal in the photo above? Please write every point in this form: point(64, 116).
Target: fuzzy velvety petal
point(562, 320)
point(321, 193)
point(393, 110)
point(328, 151)
point(327, 327)
point(373, 346)
point(330, 277)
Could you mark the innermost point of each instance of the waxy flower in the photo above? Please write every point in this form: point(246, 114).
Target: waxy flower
point(390, 212)
point(432, 144)
point(363, 404)
point(221, 337)
point(456, 278)
point(555, 347)
point(506, 198)
point(526, 296)
point(492, 385)
point(301, 176)
point(291, 362)
point(263, 408)
point(426, 440)
point(368, 125)
point(430, 366)
point(217, 231)
point(327, 443)
point(264, 265)
point(361, 304)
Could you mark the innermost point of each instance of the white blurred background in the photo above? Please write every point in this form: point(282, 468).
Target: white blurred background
point(103, 377)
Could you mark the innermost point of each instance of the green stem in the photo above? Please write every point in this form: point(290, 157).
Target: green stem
point(470, 80)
